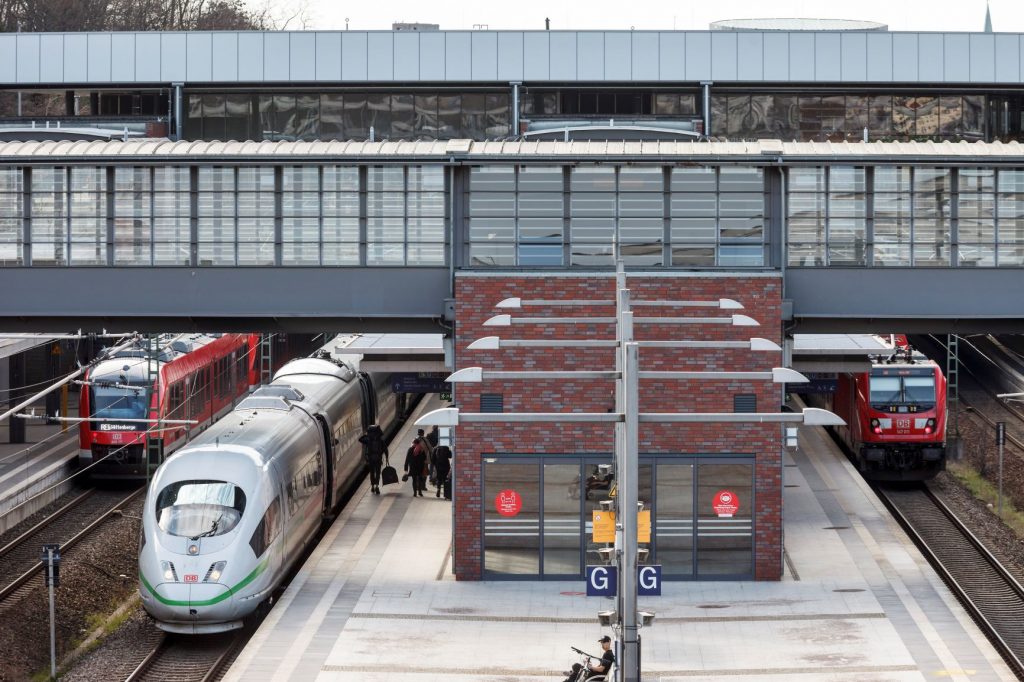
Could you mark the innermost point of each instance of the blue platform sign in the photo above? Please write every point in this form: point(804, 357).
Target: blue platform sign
point(420, 382)
point(602, 581)
point(648, 582)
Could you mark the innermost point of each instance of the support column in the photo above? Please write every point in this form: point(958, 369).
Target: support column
point(515, 108)
point(706, 113)
point(179, 110)
point(17, 382)
point(69, 103)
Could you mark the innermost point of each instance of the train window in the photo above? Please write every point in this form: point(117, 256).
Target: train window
point(885, 390)
point(112, 403)
point(266, 531)
point(919, 390)
point(199, 508)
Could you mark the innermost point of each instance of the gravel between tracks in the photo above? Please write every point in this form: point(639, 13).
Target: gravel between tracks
point(91, 584)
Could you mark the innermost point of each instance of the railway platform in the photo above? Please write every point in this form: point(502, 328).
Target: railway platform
point(376, 602)
point(46, 458)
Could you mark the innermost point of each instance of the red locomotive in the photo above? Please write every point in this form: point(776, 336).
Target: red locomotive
point(895, 416)
point(199, 378)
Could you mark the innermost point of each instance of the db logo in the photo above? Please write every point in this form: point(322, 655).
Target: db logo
point(508, 502)
point(725, 504)
point(191, 578)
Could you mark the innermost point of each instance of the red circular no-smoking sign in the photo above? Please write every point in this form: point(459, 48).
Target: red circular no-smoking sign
point(726, 503)
point(508, 502)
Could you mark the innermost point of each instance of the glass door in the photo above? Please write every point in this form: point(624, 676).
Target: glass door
point(511, 503)
point(725, 503)
point(673, 519)
point(561, 520)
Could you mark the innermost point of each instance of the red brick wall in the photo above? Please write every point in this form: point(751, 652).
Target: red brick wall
point(475, 298)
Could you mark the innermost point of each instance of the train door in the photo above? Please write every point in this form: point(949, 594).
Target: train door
point(329, 463)
point(369, 400)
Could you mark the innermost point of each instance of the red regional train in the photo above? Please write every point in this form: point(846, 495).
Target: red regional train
point(895, 416)
point(200, 378)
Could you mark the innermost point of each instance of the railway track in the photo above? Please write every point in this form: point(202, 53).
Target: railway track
point(189, 659)
point(990, 594)
point(67, 526)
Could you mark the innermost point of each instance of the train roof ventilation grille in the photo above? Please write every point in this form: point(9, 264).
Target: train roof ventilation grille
point(280, 391)
point(255, 402)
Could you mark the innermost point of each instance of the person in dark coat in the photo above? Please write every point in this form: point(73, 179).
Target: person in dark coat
point(374, 452)
point(442, 466)
point(416, 466)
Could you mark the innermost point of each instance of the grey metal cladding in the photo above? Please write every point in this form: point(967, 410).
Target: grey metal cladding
point(502, 56)
point(698, 56)
point(276, 54)
point(250, 56)
point(801, 56)
point(485, 56)
point(225, 57)
point(354, 55)
point(904, 57)
point(750, 56)
point(510, 56)
point(328, 56)
point(199, 57)
point(879, 47)
point(28, 58)
point(646, 46)
point(956, 56)
point(407, 56)
point(854, 57)
point(301, 56)
point(672, 52)
point(983, 58)
point(51, 59)
point(458, 51)
point(776, 56)
point(723, 55)
point(432, 52)
point(173, 56)
point(98, 55)
point(380, 56)
point(1007, 57)
point(590, 56)
point(563, 55)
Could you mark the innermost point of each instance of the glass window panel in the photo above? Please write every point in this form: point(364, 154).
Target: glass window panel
point(804, 230)
point(739, 179)
point(385, 178)
point(592, 254)
point(641, 229)
point(131, 229)
point(735, 255)
point(847, 229)
point(693, 180)
point(449, 116)
point(977, 230)
point(215, 204)
point(589, 179)
point(216, 229)
point(806, 205)
point(932, 205)
point(807, 179)
point(974, 255)
point(428, 229)
point(341, 204)
point(693, 230)
point(847, 179)
point(300, 203)
point(719, 117)
point(693, 204)
point(216, 253)
point(385, 253)
point(216, 178)
point(741, 204)
point(285, 123)
point(341, 179)
point(848, 254)
point(540, 229)
point(378, 110)
point(688, 256)
point(592, 205)
point(548, 179)
point(332, 114)
point(806, 255)
point(300, 253)
point(171, 204)
point(892, 231)
point(10, 229)
point(300, 178)
point(426, 179)
point(592, 230)
point(132, 253)
point(473, 120)
point(931, 255)
point(847, 204)
point(892, 179)
point(48, 229)
point(238, 115)
point(252, 204)
point(977, 207)
point(492, 179)
point(258, 229)
point(334, 253)
point(891, 254)
point(10, 205)
point(256, 253)
point(300, 229)
point(492, 254)
point(1011, 256)
point(649, 253)
point(857, 108)
point(426, 125)
point(1011, 229)
point(255, 179)
point(171, 178)
point(403, 117)
point(385, 203)
point(426, 203)
point(87, 204)
point(492, 229)
point(48, 179)
point(132, 204)
point(86, 179)
point(341, 230)
point(641, 180)
point(641, 204)
point(498, 117)
point(127, 178)
point(741, 228)
point(892, 206)
point(385, 229)
point(537, 204)
point(930, 230)
point(171, 230)
point(932, 180)
point(11, 179)
point(356, 119)
point(977, 180)
point(171, 253)
point(88, 229)
point(540, 255)
point(89, 253)
point(1011, 180)
point(423, 253)
point(46, 203)
point(48, 253)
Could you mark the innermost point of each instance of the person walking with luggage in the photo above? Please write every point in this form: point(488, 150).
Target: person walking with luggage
point(416, 466)
point(374, 452)
point(442, 468)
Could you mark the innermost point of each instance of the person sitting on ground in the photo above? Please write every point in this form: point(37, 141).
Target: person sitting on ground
point(602, 667)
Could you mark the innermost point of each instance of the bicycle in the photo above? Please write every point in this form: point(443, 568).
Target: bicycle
point(584, 674)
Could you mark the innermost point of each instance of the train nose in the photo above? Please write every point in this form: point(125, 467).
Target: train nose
point(191, 608)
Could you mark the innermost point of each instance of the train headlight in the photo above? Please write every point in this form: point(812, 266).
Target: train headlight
point(929, 426)
point(213, 575)
point(876, 427)
point(193, 549)
point(170, 575)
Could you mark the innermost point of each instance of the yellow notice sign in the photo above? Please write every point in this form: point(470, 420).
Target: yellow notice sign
point(604, 526)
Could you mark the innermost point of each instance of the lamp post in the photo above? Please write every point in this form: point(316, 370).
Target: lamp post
point(626, 418)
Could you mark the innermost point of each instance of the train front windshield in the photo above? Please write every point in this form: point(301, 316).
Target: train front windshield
point(916, 391)
point(110, 402)
point(199, 508)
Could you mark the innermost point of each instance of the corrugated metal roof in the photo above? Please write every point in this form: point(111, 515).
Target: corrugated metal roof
point(770, 150)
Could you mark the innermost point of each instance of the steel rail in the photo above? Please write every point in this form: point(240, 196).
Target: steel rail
point(13, 544)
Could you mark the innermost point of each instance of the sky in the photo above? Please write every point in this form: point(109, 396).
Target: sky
point(899, 15)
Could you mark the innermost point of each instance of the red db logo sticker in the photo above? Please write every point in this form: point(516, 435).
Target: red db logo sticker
point(726, 504)
point(508, 503)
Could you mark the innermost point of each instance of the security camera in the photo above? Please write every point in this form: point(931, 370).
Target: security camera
point(604, 468)
point(606, 505)
point(606, 618)
point(646, 617)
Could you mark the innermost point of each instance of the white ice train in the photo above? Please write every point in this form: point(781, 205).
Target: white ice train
point(227, 515)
